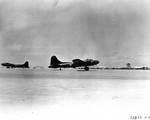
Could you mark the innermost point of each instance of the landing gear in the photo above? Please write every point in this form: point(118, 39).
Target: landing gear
point(59, 68)
point(86, 68)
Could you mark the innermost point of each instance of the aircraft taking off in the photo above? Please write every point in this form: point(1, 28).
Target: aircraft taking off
point(55, 63)
point(10, 65)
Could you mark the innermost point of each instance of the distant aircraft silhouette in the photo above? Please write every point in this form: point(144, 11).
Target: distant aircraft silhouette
point(10, 65)
point(55, 63)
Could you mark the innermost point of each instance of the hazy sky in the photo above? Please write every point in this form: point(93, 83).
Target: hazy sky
point(112, 31)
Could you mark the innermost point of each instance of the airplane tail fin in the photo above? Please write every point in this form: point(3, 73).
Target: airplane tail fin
point(26, 64)
point(54, 61)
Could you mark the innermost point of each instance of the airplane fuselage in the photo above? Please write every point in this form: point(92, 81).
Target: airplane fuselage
point(61, 65)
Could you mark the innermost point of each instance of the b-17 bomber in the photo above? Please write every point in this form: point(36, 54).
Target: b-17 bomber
point(55, 63)
point(11, 65)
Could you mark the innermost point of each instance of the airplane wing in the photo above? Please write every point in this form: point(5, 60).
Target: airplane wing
point(85, 63)
point(78, 63)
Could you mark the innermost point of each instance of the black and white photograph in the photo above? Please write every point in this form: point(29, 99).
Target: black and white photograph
point(74, 59)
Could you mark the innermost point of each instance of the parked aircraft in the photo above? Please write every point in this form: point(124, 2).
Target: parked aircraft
point(55, 63)
point(10, 65)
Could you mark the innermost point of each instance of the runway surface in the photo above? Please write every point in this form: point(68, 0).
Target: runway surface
point(61, 94)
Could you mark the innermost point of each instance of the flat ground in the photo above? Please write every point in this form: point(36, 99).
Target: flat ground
point(70, 94)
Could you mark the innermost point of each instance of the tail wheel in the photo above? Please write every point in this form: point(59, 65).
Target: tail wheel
point(86, 68)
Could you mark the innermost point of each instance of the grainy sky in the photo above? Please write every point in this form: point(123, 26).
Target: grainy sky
point(112, 31)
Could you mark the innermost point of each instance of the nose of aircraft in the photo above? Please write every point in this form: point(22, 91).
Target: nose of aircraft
point(96, 62)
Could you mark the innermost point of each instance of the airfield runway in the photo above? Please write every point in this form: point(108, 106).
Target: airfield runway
point(102, 93)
